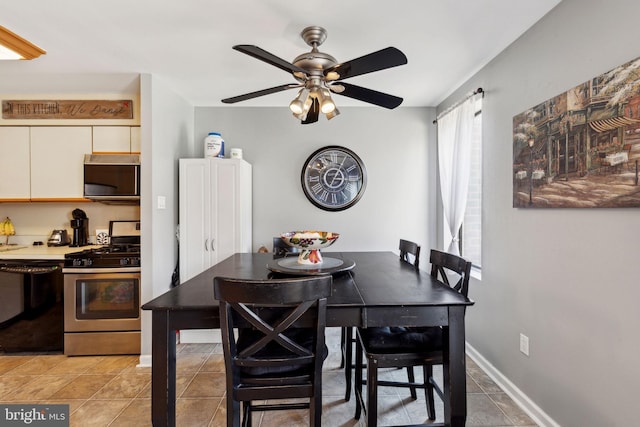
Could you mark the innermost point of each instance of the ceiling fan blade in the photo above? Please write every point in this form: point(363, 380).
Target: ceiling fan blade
point(376, 61)
point(314, 112)
point(258, 93)
point(371, 96)
point(269, 58)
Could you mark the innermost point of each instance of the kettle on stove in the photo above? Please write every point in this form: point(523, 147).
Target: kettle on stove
point(58, 238)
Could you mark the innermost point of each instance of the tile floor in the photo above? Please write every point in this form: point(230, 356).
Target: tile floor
point(111, 391)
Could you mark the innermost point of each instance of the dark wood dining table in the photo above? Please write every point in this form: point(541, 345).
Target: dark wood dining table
point(380, 290)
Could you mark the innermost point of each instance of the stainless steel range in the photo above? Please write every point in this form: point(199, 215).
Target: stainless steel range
point(102, 295)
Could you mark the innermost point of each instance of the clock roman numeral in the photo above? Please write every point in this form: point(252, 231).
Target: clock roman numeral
point(316, 188)
point(350, 187)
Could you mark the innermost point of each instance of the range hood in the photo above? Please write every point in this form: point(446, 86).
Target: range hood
point(112, 177)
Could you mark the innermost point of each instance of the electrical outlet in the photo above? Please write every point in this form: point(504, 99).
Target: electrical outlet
point(524, 344)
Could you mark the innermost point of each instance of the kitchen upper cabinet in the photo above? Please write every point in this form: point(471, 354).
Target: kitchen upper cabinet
point(214, 212)
point(15, 176)
point(111, 139)
point(57, 159)
point(116, 139)
point(136, 143)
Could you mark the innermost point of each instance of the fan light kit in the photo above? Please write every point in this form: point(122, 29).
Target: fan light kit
point(318, 74)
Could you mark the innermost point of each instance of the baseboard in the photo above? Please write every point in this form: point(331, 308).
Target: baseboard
point(199, 336)
point(534, 411)
point(145, 361)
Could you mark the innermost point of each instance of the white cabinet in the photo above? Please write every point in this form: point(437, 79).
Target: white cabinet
point(15, 176)
point(43, 163)
point(136, 142)
point(111, 139)
point(57, 159)
point(215, 212)
point(116, 139)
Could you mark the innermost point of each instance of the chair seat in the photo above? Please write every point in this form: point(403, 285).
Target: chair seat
point(400, 339)
point(303, 336)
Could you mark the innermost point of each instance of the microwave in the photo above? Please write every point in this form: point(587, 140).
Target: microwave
point(112, 177)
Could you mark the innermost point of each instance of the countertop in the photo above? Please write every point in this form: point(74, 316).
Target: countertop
point(42, 252)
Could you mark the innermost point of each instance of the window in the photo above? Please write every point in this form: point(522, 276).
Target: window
point(597, 84)
point(460, 173)
point(471, 230)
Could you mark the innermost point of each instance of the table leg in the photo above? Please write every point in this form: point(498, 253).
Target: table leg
point(454, 369)
point(163, 370)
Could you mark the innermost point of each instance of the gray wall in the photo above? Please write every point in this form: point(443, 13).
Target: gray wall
point(396, 146)
point(166, 133)
point(567, 278)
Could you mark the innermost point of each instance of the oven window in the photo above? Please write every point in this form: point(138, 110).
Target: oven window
point(117, 298)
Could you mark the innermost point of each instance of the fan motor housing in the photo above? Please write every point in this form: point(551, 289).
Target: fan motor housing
point(315, 62)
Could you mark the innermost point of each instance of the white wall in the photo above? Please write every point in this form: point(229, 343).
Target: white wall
point(396, 146)
point(167, 134)
point(567, 278)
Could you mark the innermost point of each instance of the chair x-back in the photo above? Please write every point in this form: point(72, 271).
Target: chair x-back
point(279, 347)
point(410, 252)
point(281, 249)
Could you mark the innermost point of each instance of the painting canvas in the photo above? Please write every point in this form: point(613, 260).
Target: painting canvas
point(581, 149)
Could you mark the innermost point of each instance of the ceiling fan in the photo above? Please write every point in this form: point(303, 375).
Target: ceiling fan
point(318, 74)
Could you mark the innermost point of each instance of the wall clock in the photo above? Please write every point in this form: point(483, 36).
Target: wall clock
point(333, 178)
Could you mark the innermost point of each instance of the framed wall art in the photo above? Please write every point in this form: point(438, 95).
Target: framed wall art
point(581, 149)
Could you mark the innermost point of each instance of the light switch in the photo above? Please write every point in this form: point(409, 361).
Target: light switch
point(162, 202)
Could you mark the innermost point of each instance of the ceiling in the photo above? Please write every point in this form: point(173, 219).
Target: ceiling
point(188, 43)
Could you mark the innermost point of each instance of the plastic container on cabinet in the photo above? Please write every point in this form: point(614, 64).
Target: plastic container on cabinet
point(214, 145)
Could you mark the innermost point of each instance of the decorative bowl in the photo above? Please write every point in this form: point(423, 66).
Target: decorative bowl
point(309, 242)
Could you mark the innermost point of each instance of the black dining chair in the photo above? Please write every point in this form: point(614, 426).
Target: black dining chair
point(400, 347)
point(281, 249)
point(409, 253)
point(273, 337)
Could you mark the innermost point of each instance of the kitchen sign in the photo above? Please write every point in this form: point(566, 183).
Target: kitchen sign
point(67, 109)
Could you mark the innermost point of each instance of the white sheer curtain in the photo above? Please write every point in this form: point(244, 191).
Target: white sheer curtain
point(454, 162)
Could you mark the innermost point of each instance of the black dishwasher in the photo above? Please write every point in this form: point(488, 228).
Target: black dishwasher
point(31, 307)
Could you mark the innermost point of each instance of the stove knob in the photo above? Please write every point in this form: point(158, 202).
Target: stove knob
point(124, 261)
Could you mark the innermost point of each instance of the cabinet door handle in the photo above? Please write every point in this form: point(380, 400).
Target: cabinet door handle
point(206, 245)
point(212, 243)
